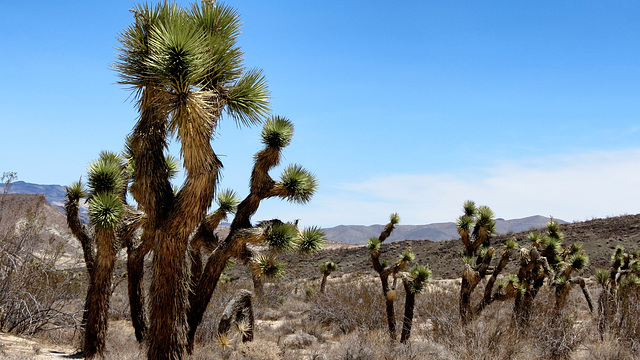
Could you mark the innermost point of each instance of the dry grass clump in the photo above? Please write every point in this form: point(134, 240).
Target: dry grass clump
point(349, 306)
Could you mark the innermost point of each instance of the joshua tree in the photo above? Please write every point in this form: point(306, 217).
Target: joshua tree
point(384, 270)
point(547, 259)
point(619, 284)
point(476, 227)
point(326, 269)
point(112, 222)
point(185, 70)
point(287, 238)
point(413, 284)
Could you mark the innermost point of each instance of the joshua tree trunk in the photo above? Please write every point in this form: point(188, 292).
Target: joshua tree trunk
point(99, 294)
point(207, 284)
point(391, 315)
point(135, 276)
point(168, 322)
point(325, 275)
point(407, 321)
point(258, 285)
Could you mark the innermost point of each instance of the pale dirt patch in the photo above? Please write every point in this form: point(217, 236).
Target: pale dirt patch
point(15, 347)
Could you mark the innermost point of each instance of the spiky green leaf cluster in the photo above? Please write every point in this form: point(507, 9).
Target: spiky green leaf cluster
point(227, 201)
point(484, 250)
point(106, 174)
point(575, 248)
point(618, 254)
point(465, 223)
point(419, 275)
point(469, 208)
point(173, 166)
point(602, 276)
point(311, 240)
point(535, 237)
point(550, 247)
point(266, 266)
point(299, 183)
point(485, 219)
point(630, 280)
point(407, 256)
point(561, 281)
point(579, 260)
point(553, 230)
point(394, 218)
point(511, 244)
point(373, 244)
point(277, 132)
point(248, 100)
point(328, 266)
point(106, 210)
point(282, 237)
point(76, 190)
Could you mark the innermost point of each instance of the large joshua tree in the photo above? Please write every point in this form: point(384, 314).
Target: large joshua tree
point(185, 70)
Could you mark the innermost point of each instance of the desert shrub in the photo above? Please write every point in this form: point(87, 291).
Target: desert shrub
point(349, 306)
point(495, 335)
point(28, 272)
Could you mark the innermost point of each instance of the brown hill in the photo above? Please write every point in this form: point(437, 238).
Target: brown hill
point(33, 212)
point(599, 237)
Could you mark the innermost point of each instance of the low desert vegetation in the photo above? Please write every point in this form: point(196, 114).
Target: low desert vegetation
point(186, 73)
point(347, 320)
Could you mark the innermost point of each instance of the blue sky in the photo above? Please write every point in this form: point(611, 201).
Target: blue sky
point(413, 106)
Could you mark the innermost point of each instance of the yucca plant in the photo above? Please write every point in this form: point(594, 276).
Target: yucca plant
point(547, 259)
point(112, 222)
point(414, 283)
point(476, 227)
point(185, 70)
point(385, 270)
point(296, 185)
point(326, 269)
point(619, 285)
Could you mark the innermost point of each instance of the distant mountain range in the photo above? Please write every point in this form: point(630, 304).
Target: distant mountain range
point(359, 234)
point(351, 234)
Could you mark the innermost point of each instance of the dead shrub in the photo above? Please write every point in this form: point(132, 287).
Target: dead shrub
point(35, 291)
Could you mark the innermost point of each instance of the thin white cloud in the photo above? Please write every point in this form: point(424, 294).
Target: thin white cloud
point(571, 187)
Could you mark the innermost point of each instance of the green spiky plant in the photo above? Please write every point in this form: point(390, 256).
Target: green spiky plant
point(295, 185)
point(112, 222)
point(385, 270)
point(326, 269)
point(619, 284)
point(476, 227)
point(185, 70)
point(547, 259)
point(283, 238)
